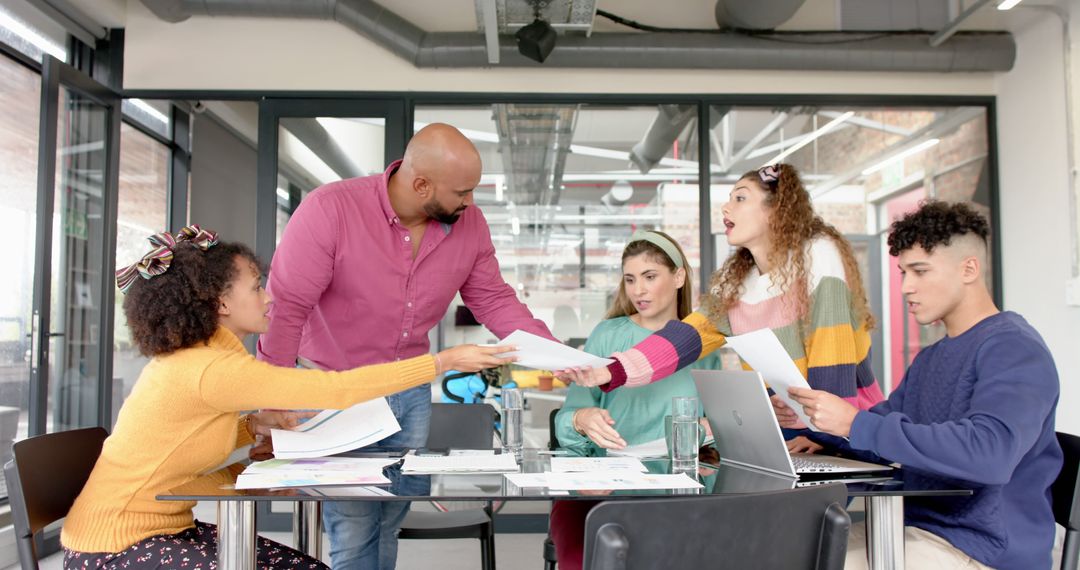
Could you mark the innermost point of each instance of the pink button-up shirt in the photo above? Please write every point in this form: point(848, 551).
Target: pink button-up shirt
point(347, 291)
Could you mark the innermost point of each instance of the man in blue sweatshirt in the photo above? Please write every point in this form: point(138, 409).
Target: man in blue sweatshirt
point(975, 409)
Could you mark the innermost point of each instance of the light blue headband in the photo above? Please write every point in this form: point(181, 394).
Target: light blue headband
point(661, 242)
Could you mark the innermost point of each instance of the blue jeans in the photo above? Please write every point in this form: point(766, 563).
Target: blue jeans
point(363, 534)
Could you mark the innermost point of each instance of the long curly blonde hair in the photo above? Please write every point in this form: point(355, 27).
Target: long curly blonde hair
point(792, 225)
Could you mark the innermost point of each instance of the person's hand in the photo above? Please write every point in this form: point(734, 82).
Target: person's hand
point(830, 413)
point(785, 416)
point(587, 376)
point(596, 424)
point(802, 444)
point(472, 357)
point(262, 422)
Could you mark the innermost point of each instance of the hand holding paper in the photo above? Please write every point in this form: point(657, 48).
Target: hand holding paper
point(764, 353)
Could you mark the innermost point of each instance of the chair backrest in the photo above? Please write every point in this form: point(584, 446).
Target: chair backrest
point(553, 440)
point(462, 426)
point(45, 476)
point(791, 529)
point(1066, 489)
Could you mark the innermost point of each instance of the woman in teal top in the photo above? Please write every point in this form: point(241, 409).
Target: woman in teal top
point(632, 417)
point(656, 288)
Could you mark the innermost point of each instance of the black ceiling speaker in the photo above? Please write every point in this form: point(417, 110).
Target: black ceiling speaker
point(536, 40)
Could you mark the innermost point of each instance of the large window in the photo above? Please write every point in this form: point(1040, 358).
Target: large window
point(142, 211)
point(21, 93)
point(564, 187)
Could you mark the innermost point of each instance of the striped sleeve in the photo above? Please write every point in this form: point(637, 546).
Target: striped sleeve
point(838, 353)
point(677, 345)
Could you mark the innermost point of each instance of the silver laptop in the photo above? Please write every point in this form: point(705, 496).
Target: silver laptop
point(746, 431)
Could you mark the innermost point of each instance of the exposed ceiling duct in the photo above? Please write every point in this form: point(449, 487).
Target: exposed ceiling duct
point(534, 141)
point(755, 14)
point(316, 138)
point(988, 51)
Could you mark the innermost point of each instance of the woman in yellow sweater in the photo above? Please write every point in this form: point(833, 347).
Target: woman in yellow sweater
point(189, 303)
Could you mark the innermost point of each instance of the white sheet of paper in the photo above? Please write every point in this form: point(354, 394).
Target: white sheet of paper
point(335, 431)
point(544, 354)
point(764, 353)
point(654, 448)
point(504, 463)
point(275, 479)
point(619, 480)
point(524, 480)
point(596, 464)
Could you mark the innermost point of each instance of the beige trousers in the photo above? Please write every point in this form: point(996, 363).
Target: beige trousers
point(922, 551)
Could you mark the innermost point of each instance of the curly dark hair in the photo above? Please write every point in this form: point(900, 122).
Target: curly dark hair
point(936, 223)
point(179, 308)
point(792, 224)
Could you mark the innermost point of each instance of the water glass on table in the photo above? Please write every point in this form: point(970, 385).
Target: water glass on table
point(684, 433)
point(513, 405)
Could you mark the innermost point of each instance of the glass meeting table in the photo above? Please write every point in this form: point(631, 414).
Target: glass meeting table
point(884, 499)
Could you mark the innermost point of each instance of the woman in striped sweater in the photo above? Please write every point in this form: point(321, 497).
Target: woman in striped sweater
point(791, 273)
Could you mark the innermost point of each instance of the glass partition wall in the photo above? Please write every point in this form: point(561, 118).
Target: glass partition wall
point(565, 185)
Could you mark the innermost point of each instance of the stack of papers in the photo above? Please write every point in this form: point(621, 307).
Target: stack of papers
point(335, 431)
point(596, 464)
point(425, 464)
point(604, 481)
point(312, 472)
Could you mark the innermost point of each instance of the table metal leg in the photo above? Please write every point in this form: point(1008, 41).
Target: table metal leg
point(885, 533)
point(307, 528)
point(236, 535)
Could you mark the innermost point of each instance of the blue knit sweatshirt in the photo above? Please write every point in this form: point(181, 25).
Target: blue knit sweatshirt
point(977, 411)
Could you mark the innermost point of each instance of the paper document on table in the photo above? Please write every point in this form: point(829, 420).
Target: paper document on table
point(764, 353)
point(596, 464)
point(654, 448)
point(619, 480)
point(335, 431)
point(525, 480)
point(322, 465)
point(544, 354)
point(417, 464)
point(275, 479)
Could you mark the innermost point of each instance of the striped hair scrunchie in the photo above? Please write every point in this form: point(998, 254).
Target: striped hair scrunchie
point(769, 173)
point(158, 260)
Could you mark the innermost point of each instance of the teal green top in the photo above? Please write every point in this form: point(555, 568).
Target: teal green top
point(638, 412)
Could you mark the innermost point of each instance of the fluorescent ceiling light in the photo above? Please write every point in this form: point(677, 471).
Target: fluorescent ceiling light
point(901, 156)
point(149, 110)
point(283, 194)
point(1007, 4)
point(811, 137)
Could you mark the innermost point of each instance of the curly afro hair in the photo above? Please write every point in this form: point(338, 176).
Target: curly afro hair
point(936, 223)
point(179, 308)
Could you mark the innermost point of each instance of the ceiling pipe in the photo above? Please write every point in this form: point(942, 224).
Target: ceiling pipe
point(967, 52)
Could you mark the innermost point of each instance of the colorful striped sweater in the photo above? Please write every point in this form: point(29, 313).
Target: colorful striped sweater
point(832, 350)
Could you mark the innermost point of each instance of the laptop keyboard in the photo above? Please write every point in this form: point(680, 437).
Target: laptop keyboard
point(816, 464)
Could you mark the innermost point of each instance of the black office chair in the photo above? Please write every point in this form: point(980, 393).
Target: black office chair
point(458, 426)
point(45, 476)
point(550, 558)
point(737, 531)
point(1066, 494)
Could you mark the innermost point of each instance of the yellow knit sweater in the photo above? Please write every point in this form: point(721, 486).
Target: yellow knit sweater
point(182, 419)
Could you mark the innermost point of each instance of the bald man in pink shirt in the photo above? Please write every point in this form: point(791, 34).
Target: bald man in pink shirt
point(366, 267)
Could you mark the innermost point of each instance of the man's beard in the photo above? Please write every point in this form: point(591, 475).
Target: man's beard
point(435, 211)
